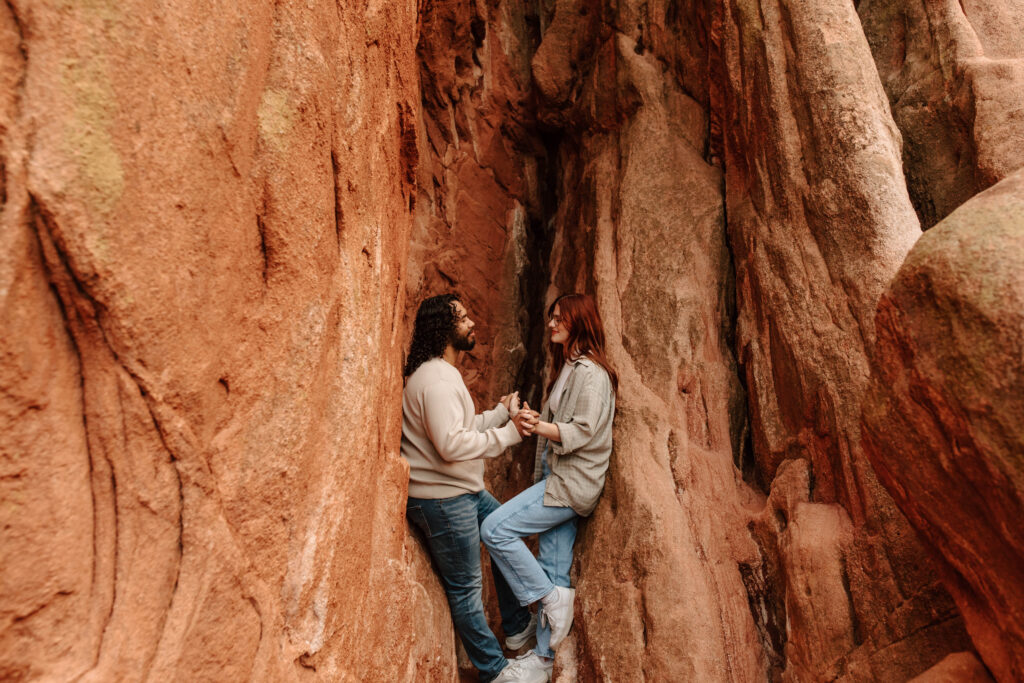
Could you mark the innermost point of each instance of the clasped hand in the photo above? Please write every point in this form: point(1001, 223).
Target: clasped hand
point(525, 419)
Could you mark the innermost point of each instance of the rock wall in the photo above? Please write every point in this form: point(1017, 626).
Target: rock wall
point(481, 204)
point(218, 220)
point(640, 224)
point(819, 221)
point(205, 217)
point(482, 194)
point(711, 579)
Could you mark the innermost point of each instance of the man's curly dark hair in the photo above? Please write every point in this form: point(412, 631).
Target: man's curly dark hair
point(435, 324)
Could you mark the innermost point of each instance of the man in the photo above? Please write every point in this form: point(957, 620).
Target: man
point(445, 443)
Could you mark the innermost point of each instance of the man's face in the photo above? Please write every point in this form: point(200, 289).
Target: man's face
point(463, 337)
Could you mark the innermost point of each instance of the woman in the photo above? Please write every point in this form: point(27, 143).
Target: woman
point(573, 448)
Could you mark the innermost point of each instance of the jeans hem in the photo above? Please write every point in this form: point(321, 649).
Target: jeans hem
point(539, 596)
point(494, 675)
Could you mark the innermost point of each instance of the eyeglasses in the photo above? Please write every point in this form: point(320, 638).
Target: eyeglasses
point(556, 319)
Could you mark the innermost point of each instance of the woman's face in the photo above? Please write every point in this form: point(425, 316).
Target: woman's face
point(559, 332)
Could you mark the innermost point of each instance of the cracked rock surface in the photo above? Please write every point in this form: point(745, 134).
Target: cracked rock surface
point(217, 222)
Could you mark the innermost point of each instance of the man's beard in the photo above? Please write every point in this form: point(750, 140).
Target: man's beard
point(465, 343)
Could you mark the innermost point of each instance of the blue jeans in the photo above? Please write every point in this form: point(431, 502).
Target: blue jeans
point(452, 530)
point(532, 578)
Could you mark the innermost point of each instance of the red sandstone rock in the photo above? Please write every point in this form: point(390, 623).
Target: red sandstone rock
point(660, 591)
point(677, 510)
point(944, 417)
point(954, 73)
point(214, 233)
point(204, 229)
point(819, 221)
point(479, 204)
point(482, 170)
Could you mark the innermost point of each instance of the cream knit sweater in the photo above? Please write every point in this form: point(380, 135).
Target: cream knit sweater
point(443, 439)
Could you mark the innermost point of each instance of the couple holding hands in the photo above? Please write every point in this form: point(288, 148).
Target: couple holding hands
point(446, 443)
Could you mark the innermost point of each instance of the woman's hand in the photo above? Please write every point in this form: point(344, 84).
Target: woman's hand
point(526, 420)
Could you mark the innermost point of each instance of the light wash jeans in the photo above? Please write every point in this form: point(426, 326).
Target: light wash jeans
point(452, 530)
point(532, 578)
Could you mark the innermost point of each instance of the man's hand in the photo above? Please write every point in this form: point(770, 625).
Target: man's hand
point(526, 420)
point(511, 403)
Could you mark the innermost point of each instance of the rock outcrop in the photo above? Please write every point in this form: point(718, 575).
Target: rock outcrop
point(641, 225)
point(944, 417)
point(954, 73)
point(204, 228)
point(481, 204)
point(482, 196)
point(819, 221)
point(823, 580)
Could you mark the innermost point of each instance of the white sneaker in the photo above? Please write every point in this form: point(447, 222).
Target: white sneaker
point(558, 615)
point(513, 673)
point(538, 668)
point(517, 640)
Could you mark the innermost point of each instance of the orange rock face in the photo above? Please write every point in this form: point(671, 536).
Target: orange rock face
point(944, 418)
point(954, 73)
point(204, 228)
point(819, 221)
point(481, 199)
point(217, 222)
point(687, 571)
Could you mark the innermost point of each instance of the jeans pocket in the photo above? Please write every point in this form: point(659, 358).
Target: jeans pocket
point(423, 521)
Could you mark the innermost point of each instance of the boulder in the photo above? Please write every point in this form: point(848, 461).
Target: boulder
point(944, 415)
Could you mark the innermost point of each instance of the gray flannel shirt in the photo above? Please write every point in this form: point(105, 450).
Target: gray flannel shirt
point(584, 417)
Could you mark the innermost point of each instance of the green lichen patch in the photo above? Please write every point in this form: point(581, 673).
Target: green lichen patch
point(276, 118)
point(87, 135)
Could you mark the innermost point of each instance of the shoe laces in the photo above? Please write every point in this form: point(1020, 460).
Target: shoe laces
point(516, 666)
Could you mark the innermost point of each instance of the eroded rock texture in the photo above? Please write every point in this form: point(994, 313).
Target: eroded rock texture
point(823, 580)
point(954, 73)
point(218, 219)
point(819, 221)
point(640, 224)
point(480, 204)
point(944, 418)
point(204, 229)
point(482, 194)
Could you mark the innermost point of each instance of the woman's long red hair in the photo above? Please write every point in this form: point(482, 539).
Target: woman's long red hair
point(578, 312)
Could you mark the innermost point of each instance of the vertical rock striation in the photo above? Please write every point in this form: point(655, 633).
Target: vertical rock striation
point(640, 224)
point(480, 204)
point(482, 195)
point(819, 221)
point(824, 578)
point(217, 220)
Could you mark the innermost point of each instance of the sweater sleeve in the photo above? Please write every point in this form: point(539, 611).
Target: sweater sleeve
point(495, 417)
point(579, 430)
point(442, 408)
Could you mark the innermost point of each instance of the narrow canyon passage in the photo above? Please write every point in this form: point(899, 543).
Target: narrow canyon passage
point(218, 220)
point(745, 536)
